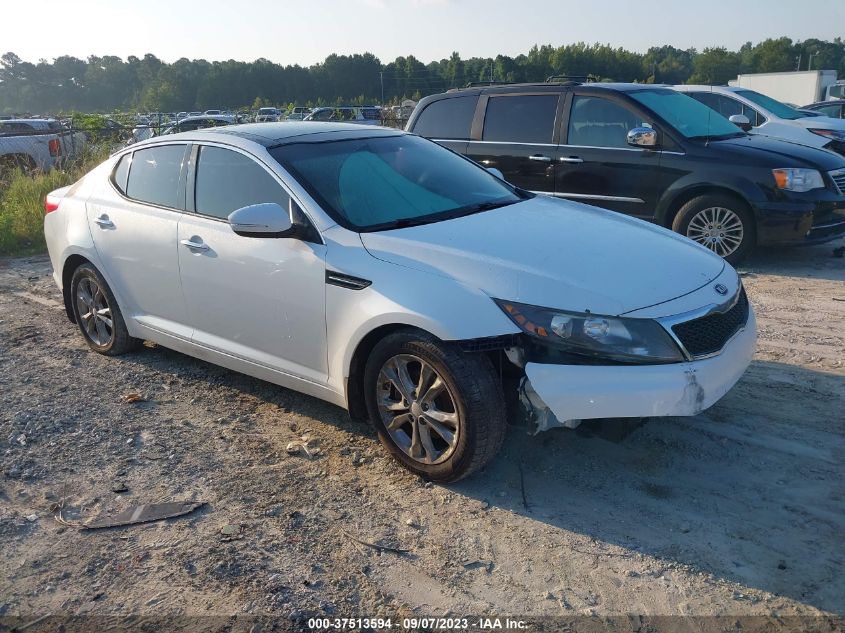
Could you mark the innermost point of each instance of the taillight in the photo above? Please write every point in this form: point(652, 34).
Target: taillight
point(51, 203)
point(55, 147)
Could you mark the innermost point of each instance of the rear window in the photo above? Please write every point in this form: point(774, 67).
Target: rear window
point(447, 118)
point(121, 171)
point(522, 119)
point(154, 176)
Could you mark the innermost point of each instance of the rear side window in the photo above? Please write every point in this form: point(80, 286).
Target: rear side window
point(523, 119)
point(447, 118)
point(155, 173)
point(227, 181)
point(121, 171)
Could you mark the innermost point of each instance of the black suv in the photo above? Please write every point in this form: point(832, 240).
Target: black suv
point(646, 151)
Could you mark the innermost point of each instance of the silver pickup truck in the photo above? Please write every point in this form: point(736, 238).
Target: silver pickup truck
point(36, 144)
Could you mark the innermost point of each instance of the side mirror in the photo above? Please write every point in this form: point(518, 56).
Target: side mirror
point(642, 137)
point(741, 121)
point(498, 174)
point(267, 219)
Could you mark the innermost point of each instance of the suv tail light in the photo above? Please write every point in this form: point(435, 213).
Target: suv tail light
point(55, 147)
point(51, 203)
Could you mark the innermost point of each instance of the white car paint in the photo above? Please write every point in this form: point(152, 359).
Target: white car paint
point(795, 130)
point(261, 306)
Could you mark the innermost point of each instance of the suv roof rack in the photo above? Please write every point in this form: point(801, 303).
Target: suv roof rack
point(474, 84)
point(571, 79)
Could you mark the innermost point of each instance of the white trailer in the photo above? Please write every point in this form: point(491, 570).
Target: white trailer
point(795, 88)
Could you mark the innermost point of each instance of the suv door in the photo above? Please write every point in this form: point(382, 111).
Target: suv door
point(518, 138)
point(596, 164)
point(133, 220)
point(260, 299)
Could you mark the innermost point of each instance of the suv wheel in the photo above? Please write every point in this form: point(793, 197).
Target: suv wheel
point(719, 222)
point(438, 410)
point(97, 313)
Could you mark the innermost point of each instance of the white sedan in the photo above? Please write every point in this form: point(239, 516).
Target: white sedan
point(379, 271)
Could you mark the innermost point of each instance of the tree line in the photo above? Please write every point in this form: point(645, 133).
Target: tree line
point(109, 83)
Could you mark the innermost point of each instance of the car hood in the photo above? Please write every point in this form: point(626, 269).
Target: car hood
point(554, 253)
point(821, 122)
point(767, 151)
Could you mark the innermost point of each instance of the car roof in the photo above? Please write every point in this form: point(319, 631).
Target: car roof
point(553, 87)
point(705, 87)
point(274, 134)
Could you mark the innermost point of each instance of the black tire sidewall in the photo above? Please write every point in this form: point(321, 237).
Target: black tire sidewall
point(438, 355)
point(687, 212)
point(120, 340)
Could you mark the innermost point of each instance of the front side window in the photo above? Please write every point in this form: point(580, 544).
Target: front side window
point(370, 184)
point(597, 122)
point(227, 181)
point(447, 119)
point(687, 116)
point(520, 119)
point(154, 175)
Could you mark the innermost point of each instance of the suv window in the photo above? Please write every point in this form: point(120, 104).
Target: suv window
point(447, 118)
point(520, 119)
point(121, 171)
point(597, 122)
point(227, 181)
point(154, 176)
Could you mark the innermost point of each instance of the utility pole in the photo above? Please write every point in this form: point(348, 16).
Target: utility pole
point(491, 71)
point(381, 76)
point(799, 62)
point(810, 64)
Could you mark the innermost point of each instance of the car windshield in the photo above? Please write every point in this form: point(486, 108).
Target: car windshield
point(371, 184)
point(689, 117)
point(780, 110)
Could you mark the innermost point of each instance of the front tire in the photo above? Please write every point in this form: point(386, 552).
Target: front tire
point(438, 410)
point(720, 223)
point(97, 313)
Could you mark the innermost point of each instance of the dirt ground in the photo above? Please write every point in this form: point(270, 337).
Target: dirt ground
point(739, 511)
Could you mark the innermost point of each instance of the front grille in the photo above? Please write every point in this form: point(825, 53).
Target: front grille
point(708, 335)
point(838, 178)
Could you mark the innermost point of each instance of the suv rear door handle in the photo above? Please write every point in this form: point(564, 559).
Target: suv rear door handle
point(571, 159)
point(540, 158)
point(103, 222)
point(194, 246)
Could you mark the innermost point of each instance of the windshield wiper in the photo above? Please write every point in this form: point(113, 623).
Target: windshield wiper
point(403, 223)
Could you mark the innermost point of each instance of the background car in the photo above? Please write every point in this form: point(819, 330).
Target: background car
point(833, 109)
point(378, 271)
point(298, 113)
point(267, 115)
point(770, 117)
point(647, 151)
point(365, 115)
point(197, 122)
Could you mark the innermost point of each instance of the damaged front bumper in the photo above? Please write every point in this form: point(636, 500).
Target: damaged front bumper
point(562, 395)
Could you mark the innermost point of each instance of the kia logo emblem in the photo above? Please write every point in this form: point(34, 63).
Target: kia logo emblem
point(721, 289)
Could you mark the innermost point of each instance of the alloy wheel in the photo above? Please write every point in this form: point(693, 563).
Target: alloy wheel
point(417, 409)
point(717, 228)
point(94, 312)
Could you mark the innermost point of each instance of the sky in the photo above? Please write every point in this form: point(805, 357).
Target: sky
point(306, 31)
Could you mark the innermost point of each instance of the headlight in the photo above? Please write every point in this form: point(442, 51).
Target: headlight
point(612, 338)
point(837, 135)
point(798, 179)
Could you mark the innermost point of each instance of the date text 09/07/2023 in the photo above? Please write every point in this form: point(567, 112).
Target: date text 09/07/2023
point(481, 623)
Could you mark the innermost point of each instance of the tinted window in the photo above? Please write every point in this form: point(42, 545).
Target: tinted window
point(227, 181)
point(597, 122)
point(121, 171)
point(447, 118)
point(829, 110)
point(529, 119)
point(154, 175)
point(772, 105)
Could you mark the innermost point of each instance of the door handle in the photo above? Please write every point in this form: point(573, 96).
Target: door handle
point(194, 246)
point(103, 222)
point(540, 158)
point(571, 159)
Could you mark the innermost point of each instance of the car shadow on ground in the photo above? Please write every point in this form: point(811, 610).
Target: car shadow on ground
point(749, 491)
point(823, 261)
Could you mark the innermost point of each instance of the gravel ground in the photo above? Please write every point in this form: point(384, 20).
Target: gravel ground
point(736, 512)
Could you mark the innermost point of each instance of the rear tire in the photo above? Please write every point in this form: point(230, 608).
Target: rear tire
point(438, 410)
point(97, 314)
point(719, 222)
